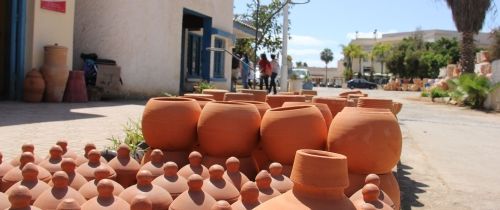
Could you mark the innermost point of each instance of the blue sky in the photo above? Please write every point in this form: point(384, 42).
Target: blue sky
point(330, 23)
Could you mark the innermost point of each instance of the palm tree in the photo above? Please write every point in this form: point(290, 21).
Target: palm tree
point(357, 52)
point(468, 16)
point(326, 56)
point(380, 51)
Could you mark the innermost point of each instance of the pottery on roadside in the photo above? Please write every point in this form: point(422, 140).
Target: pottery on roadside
point(217, 93)
point(259, 95)
point(106, 199)
point(388, 184)
point(247, 164)
point(370, 197)
point(249, 197)
point(76, 180)
point(218, 187)
point(53, 163)
point(4, 168)
point(170, 181)
point(202, 100)
point(15, 174)
point(261, 106)
point(279, 181)
point(20, 198)
point(238, 97)
point(194, 167)
point(266, 192)
point(30, 180)
point(221, 205)
point(26, 148)
point(90, 189)
point(68, 204)
point(34, 86)
point(159, 197)
point(179, 157)
point(83, 159)
point(67, 153)
point(275, 101)
point(125, 166)
point(87, 169)
point(50, 198)
point(233, 173)
point(323, 108)
point(373, 179)
point(365, 102)
point(334, 104)
point(155, 166)
point(194, 198)
point(141, 202)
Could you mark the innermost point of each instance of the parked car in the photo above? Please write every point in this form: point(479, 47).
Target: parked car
point(361, 83)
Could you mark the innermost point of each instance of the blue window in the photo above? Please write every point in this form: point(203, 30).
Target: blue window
point(194, 55)
point(219, 59)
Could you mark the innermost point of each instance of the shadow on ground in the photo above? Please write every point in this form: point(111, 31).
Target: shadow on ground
point(409, 188)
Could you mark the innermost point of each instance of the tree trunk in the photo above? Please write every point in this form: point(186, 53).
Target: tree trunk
point(467, 52)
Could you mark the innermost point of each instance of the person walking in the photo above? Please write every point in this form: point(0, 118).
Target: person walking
point(245, 62)
point(275, 69)
point(265, 71)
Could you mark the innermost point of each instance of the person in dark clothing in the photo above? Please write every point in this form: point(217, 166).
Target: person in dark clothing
point(275, 69)
point(265, 71)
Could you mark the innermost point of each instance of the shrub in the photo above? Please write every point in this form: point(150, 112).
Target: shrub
point(438, 93)
point(471, 89)
point(204, 85)
point(133, 138)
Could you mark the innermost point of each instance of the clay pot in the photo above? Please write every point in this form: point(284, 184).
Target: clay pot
point(68, 204)
point(15, 174)
point(83, 159)
point(67, 153)
point(76, 90)
point(351, 103)
point(194, 167)
point(233, 174)
point(247, 164)
point(155, 166)
point(55, 82)
point(249, 197)
point(90, 189)
point(179, 157)
point(279, 181)
point(374, 150)
point(55, 55)
point(364, 102)
point(346, 93)
point(76, 180)
point(106, 198)
point(287, 129)
point(221, 205)
point(4, 168)
point(202, 101)
point(194, 198)
point(278, 100)
point(220, 136)
point(126, 168)
point(261, 106)
point(396, 107)
point(266, 192)
point(198, 95)
point(354, 98)
point(309, 92)
point(53, 163)
point(30, 180)
point(26, 148)
point(87, 169)
point(239, 97)
point(370, 197)
point(170, 123)
point(217, 93)
point(50, 198)
point(34, 86)
point(388, 184)
point(323, 108)
point(372, 179)
point(288, 93)
point(259, 95)
point(334, 104)
point(170, 181)
point(20, 198)
point(218, 187)
point(319, 179)
point(4, 201)
point(159, 197)
point(141, 202)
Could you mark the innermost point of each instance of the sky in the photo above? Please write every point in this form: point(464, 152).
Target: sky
point(330, 23)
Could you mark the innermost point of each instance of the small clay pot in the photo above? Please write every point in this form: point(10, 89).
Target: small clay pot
point(155, 166)
point(20, 198)
point(83, 159)
point(68, 204)
point(238, 97)
point(347, 93)
point(170, 181)
point(221, 205)
point(194, 167)
point(15, 174)
point(50, 198)
point(266, 192)
point(141, 202)
point(53, 163)
point(334, 104)
point(4, 201)
point(4, 168)
point(76, 180)
point(261, 106)
point(233, 173)
point(259, 95)
point(194, 198)
point(365, 102)
point(105, 198)
point(30, 180)
point(87, 169)
point(202, 101)
point(323, 108)
point(279, 181)
point(370, 196)
point(125, 166)
point(218, 187)
point(67, 153)
point(249, 197)
point(159, 197)
point(217, 93)
point(277, 100)
point(90, 189)
point(247, 164)
point(388, 184)
point(26, 148)
point(373, 179)
point(179, 157)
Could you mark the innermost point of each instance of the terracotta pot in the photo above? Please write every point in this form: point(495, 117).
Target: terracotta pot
point(315, 189)
point(219, 136)
point(279, 181)
point(388, 184)
point(249, 197)
point(247, 165)
point(55, 55)
point(396, 107)
point(217, 93)
point(221, 205)
point(346, 93)
point(288, 129)
point(370, 199)
point(170, 181)
point(309, 98)
point(287, 93)
point(34, 86)
point(259, 95)
point(106, 198)
point(159, 197)
point(53, 163)
point(351, 103)
point(239, 97)
point(218, 187)
point(68, 204)
point(83, 159)
point(263, 182)
point(67, 153)
point(141, 202)
point(202, 101)
point(125, 166)
point(194, 198)
point(309, 92)
point(76, 180)
point(194, 167)
point(261, 106)
point(155, 166)
point(278, 100)
point(90, 189)
point(170, 123)
point(364, 102)
point(374, 150)
point(179, 157)
point(4, 168)
point(30, 180)
point(233, 174)
point(87, 169)
point(26, 148)
point(55, 82)
point(20, 198)
point(373, 179)
point(323, 108)
point(334, 104)
point(50, 198)
point(198, 95)
point(4, 201)
point(76, 90)
point(15, 174)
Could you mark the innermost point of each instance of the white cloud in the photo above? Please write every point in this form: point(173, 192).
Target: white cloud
point(310, 41)
point(307, 48)
point(361, 34)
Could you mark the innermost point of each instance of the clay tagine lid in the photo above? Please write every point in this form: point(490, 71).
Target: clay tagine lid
point(170, 181)
point(233, 173)
point(4, 201)
point(279, 181)
point(370, 199)
point(87, 169)
point(266, 192)
point(126, 167)
point(20, 198)
point(249, 197)
point(90, 189)
point(67, 153)
point(155, 166)
point(50, 198)
point(105, 198)
point(221, 205)
point(26, 148)
point(76, 180)
point(141, 202)
point(373, 179)
point(68, 204)
point(83, 159)
point(30, 180)
point(159, 197)
point(194, 167)
point(194, 198)
point(15, 174)
point(53, 163)
point(218, 187)
point(4, 166)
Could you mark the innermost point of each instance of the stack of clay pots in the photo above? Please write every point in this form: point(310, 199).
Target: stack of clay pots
point(55, 72)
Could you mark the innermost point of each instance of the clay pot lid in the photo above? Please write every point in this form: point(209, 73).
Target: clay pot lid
point(170, 169)
point(249, 193)
point(101, 172)
point(68, 165)
point(105, 188)
point(94, 156)
point(60, 179)
point(26, 157)
point(88, 147)
point(372, 179)
point(195, 182)
point(55, 46)
point(30, 172)
point(20, 197)
point(233, 165)
point(56, 151)
point(370, 193)
point(172, 99)
point(156, 156)
point(28, 147)
point(144, 177)
point(221, 205)
point(263, 179)
point(123, 151)
point(63, 144)
point(141, 202)
point(276, 169)
point(68, 204)
point(195, 158)
point(216, 172)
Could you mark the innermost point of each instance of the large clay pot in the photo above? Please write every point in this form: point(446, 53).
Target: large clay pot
point(170, 123)
point(319, 179)
point(76, 90)
point(159, 197)
point(170, 181)
point(20, 198)
point(76, 180)
point(202, 101)
point(55, 82)
point(287, 129)
point(53, 163)
point(233, 173)
point(179, 157)
point(334, 104)
point(87, 169)
point(68, 204)
point(220, 136)
point(261, 106)
point(30, 180)
point(106, 199)
point(373, 179)
point(239, 97)
point(4, 168)
point(278, 100)
point(155, 166)
point(218, 187)
point(34, 86)
point(266, 192)
point(279, 181)
point(50, 198)
point(388, 184)
point(4, 201)
point(194, 198)
point(55, 55)
point(26, 148)
point(370, 138)
point(259, 95)
point(217, 93)
point(247, 164)
point(90, 189)
point(15, 174)
point(364, 102)
point(194, 167)
point(323, 108)
point(249, 197)
point(125, 166)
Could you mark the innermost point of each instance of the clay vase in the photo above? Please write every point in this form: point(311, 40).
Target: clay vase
point(365, 102)
point(50, 198)
point(375, 150)
point(170, 181)
point(20, 198)
point(194, 167)
point(217, 93)
point(106, 198)
point(247, 164)
point(4, 168)
point(373, 179)
point(346, 93)
point(126, 167)
point(249, 197)
point(259, 95)
point(220, 136)
point(76, 180)
point(90, 189)
point(159, 197)
point(155, 166)
point(194, 198)
point(30, 180)
point(218, 187)
point(287, 129)
point(323, 108)
point(263, 182)
point(34, 86)
point(388, 184)
point(279, 181)
point(67, 153)
point(278, 100)
point(53, 163)
point(239, 97)
point(334, 104)
point(15, 174)
point(141, 202)
point(202, 101)
point(221, 205)
point(87, 169)
point(26, 148)
point(169, 123)
point(370, 197)
point(396, 107)
point(319, 179)
point(4, 201)
point(56, 77)
point(179, 157)
point(76, 90)
point(83, 159)
point(261, 106)
point(68, 204)
point(233, 174)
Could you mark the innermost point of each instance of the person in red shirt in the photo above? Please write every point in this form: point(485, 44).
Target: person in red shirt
point(265, 71)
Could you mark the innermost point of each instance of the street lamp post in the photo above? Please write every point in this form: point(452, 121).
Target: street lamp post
point(284, 52)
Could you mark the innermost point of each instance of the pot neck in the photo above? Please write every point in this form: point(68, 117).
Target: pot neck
point(316, 192)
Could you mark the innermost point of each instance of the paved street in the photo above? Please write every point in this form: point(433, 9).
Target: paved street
point(450, 154)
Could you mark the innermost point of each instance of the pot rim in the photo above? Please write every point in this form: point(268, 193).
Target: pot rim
point(366, 110)
point(172, 99)
point(320, 154)
point(198, 98)
point(215, 90)
point(286, 96)
point(228, 103)
point(289, 108)
point(336, 99)
point(249, 102)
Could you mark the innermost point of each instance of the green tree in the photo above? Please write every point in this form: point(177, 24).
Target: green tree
point(298, 63)
point(352, 51)
point(326, 56)
point(380, 52)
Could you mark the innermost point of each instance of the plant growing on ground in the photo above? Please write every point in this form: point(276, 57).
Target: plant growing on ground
point(204, 85)
point(471, 89)
point(133, 138)
point(438, 93)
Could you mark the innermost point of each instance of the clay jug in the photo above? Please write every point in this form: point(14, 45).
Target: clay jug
point(365, 102)
point(388, 184)
point(375, 150)
point(53, 163)
point(68, 204)
point(239, 97)
point(83, 159)
point(233, 174)
point(314, 190)
point(126, 167)
point(221, 205)
point(261, 106)
point(323, 108)
point(170, 123)
point(218, 187)
point(87, 169)
point(266, 192)
point(159, 197)
point(373, 179)
point(249, 197)
point(194, 198)
point(279, 181)
point(170, 181)
point(287, 129)
point(76, 180)
point(34, 86)
point(155, 166)
point(396, 107)
point(141, 202)
point(194, 167)
point(106, 198)
point(26, 148)
point(4, 168)
point(90, 189)
point(334, 104)
point(15, 174)
point(20, 198)
point(370, 197)
point(76, 90)
point(219, 136)
point(247, 164)
point(277, 100)
point(202, 101)
point(50, 198)
point(30, 180)
point(55, 55)
point(4, 201)
point(55, 82)
point(217, 93)
point(259, 95)
point(347, 93)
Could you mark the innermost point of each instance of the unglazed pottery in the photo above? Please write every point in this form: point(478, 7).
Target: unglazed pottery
point(159, 197)
point(194, 198)
point(87, 169)
point(374, 150)
point(53, 163)
point(263, 182)
point(106, 198)
point(323, 108)
point(68, 204)
point(194, 167)
point(370, 196)
point(365, 102)
point(217, 93)
point(30, 180)
point(239, 97)
point(67, 153)
point(346, 93)
point(309, 92)
point(233, 173)
point(155, 166)
point(179, 157)
point(247, 164)
point(55, 77)
point(334, 104)
point(218, 187)
point(278, 100)
point(198, 95)
point(202, 101)
point(76, 180)
point(4, 168)
point(396, 107)
point(34, 86)
point(169, 123)
point(259, 95)
point(76, 89)
point(141, 202)
point(50, 198)
point(20, 198)
point(4, 201)
point(126, 167)
point(279, 181)
point(221, 205)
point(90, 189)
point(15, 174)
point(83, 159)
point(373, 179)
point(249, 197)
point(388, 184)
point(261, 106)
point(319, 179)
point(170, 181)
point(26, 148)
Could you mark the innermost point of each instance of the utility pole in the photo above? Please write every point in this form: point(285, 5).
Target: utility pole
point(284, 52)
point(256, 46)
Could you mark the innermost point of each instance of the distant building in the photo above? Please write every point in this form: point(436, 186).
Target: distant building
point(321, 75)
